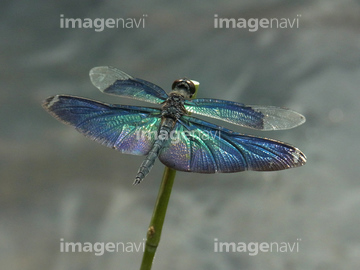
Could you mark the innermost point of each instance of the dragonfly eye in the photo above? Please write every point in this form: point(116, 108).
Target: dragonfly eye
point(184, 84)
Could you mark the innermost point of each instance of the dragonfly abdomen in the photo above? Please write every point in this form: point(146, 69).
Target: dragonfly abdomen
point(162, 137)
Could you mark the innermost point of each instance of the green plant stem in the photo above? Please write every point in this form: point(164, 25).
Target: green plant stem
point(157, 220)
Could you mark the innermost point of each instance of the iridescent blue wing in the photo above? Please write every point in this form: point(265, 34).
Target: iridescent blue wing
point(129, 129)
point(199, 146)
point(116, 82)
point(253, 116)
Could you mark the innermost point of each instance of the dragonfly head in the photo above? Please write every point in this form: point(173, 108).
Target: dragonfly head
point(184, 87)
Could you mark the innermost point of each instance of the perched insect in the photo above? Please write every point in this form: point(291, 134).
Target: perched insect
point(181, 142)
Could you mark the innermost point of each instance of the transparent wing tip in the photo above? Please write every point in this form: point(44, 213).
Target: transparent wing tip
point(294, 119)
point(276, 118)
point(302, 119)
point(50, 101)
point(299, 157)
point(103, 77)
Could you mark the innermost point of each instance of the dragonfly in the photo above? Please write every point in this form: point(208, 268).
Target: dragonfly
point(171, 133)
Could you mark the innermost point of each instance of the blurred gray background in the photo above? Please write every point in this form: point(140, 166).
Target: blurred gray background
point(55, 183)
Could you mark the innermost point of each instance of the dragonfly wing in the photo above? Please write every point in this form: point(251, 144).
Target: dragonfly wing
point(199, 146)
point(129, 129)
point(252, 116)
point(113, 81)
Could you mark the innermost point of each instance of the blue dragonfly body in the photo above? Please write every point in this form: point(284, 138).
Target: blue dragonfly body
point(180, 141)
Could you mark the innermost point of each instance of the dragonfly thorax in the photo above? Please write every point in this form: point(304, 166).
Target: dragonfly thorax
point(173, 106)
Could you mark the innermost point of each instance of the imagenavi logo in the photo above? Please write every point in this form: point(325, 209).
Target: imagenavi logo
point(253, 248)
point(99, 24)
point(99, 248)
point(178, 136)
point(253, 24)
